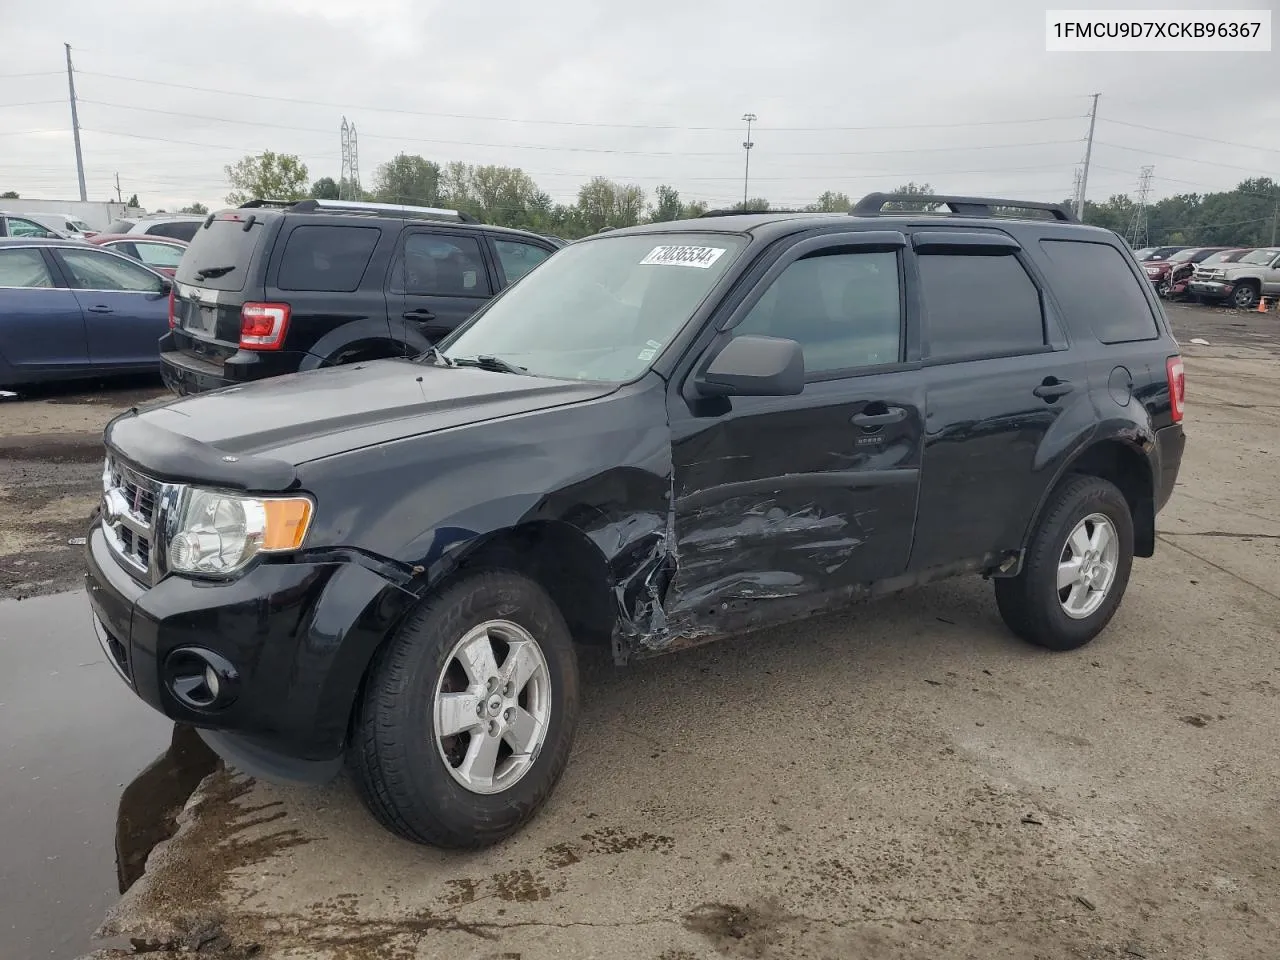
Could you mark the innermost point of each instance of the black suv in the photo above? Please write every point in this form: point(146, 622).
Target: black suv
point(665, 435)
point(274, 287)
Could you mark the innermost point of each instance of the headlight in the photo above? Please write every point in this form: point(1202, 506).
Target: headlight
point(219, 533)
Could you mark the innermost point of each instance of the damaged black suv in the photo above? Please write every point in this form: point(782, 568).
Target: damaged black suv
point(664, 435)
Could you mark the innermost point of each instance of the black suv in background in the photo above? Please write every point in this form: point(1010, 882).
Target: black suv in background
point(667, 434)
point(272, 288)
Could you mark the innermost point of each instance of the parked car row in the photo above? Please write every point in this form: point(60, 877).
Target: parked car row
point(265, 289)
point(1240, 275)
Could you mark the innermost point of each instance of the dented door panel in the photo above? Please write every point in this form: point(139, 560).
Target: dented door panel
point(784, 501)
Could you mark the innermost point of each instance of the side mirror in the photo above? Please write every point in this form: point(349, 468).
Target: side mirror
point(166, 286)
point(751, 366)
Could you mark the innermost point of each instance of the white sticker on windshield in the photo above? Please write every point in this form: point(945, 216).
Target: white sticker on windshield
point(678, 255)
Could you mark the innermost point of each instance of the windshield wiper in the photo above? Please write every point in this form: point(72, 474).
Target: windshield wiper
point(488, 362)
point(433, 355)
point(209, 273)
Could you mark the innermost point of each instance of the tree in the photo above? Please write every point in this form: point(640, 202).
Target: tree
point(830, 202)
point(133, 201)
point(408, 178)
point(907, 190)
point(197, 207)
point(604, 203)
point(268, 175)
point(326, 188)
point(667, 207)
point(9, 195)
point(755, 203)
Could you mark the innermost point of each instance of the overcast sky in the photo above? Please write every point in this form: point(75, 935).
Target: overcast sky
point(851, 95)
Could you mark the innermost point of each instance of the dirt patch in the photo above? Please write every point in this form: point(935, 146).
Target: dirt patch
point(746, 931)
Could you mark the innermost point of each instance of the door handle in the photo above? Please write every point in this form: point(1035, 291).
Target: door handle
point(1052, 388)
point(100, 308)
point(891, 415)
point(419, 314)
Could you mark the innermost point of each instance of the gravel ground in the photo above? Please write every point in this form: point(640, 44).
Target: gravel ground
point(904, 780)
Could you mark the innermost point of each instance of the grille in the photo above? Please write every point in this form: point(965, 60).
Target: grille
point(129, 516)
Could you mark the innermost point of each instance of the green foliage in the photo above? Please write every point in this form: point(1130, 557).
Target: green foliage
point(10, 195)
point(755, 203)
point(1245, 216)
point(133, 201)
point(326, 188)
point(269, 176)
point(409, 179)
point(908, 190)
point(197, 208)
point(604, 203)
point(830, 202)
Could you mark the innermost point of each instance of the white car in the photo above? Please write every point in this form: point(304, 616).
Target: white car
point(180, 226)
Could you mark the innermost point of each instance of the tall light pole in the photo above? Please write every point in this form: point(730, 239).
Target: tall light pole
point(75, 123)
point(746, 146)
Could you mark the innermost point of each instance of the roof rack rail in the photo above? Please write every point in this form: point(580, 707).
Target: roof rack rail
point(738, 212)
point(872, 204)
point(263, 202)
point(386, 209)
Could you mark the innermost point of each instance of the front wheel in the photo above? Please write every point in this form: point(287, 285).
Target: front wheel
point(468, 714)
point(1245, 297)
point(1076, 567)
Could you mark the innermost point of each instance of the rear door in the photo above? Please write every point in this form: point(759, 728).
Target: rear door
point(125, 305)
point(41, 327)
point(438, 279)
point(998, 375)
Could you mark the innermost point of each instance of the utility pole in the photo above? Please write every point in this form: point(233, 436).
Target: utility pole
point(746, 146)
point(119, 197)
point(75, 124)
point(1088, 154)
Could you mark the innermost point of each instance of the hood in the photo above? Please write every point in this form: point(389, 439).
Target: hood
point(1155, 268)
point(306, 416)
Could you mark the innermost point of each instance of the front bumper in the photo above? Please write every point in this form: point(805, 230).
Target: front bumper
point(300, 636)
point(1216, 289)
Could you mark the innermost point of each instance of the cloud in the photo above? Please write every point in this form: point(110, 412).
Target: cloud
point(850, 96)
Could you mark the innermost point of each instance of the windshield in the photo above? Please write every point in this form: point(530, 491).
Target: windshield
point(1219, 257)
point(1182, 255)
point(601, 309)
point(1259, 256)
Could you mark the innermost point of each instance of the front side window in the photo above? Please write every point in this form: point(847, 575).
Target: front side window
point(518, 258)
point(843, 309)
point(92, 270)
point(442, 265)
point(979, 306)
point(600, 309)
point(24, 268)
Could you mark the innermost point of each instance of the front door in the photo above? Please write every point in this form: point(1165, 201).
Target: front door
point(41, 327)
point(126, 309)
point(782, 502)
point(438, 279)
point(1271, 278)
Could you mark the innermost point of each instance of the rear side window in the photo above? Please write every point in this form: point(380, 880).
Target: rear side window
point(518, 258)
point(979, 306)
point(179, 230)
point(224, 250)
point(23, 268)
point(1099, 292)
point(444, 265)
point(329, 259)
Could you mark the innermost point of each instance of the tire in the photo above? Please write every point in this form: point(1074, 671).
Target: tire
point(1245, 297)
point(396, 757)
point(1031, 603)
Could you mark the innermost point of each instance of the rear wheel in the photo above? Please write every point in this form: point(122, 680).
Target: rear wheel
point(468, 715)
point(1245, 297)
point(1076, 568)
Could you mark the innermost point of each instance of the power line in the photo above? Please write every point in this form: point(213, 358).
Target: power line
point(563, 123)
point(1194, 183)
point(37, 73)
point(1170, 156)
point(28, 103)
point(1190, 136)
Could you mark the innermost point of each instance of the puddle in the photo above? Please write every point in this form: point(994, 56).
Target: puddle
point(72, 737)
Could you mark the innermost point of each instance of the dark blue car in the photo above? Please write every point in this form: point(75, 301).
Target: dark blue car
point(70, 310)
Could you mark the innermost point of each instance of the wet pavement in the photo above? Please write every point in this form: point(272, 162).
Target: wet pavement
point(71, 738)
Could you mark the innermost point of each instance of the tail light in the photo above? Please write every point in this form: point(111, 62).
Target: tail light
point(1177, 387)
point(173, 308)
point(263, 325)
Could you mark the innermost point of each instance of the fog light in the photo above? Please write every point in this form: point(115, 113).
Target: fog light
point(200, 679)
point(211, 681)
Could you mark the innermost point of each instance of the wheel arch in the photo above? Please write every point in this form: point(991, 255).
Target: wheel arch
point(369, 335)
point(1122, 460)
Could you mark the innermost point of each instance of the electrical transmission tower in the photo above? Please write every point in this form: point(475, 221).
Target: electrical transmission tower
point(1077, 177)
point(1138, 226)
point(349, 178)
